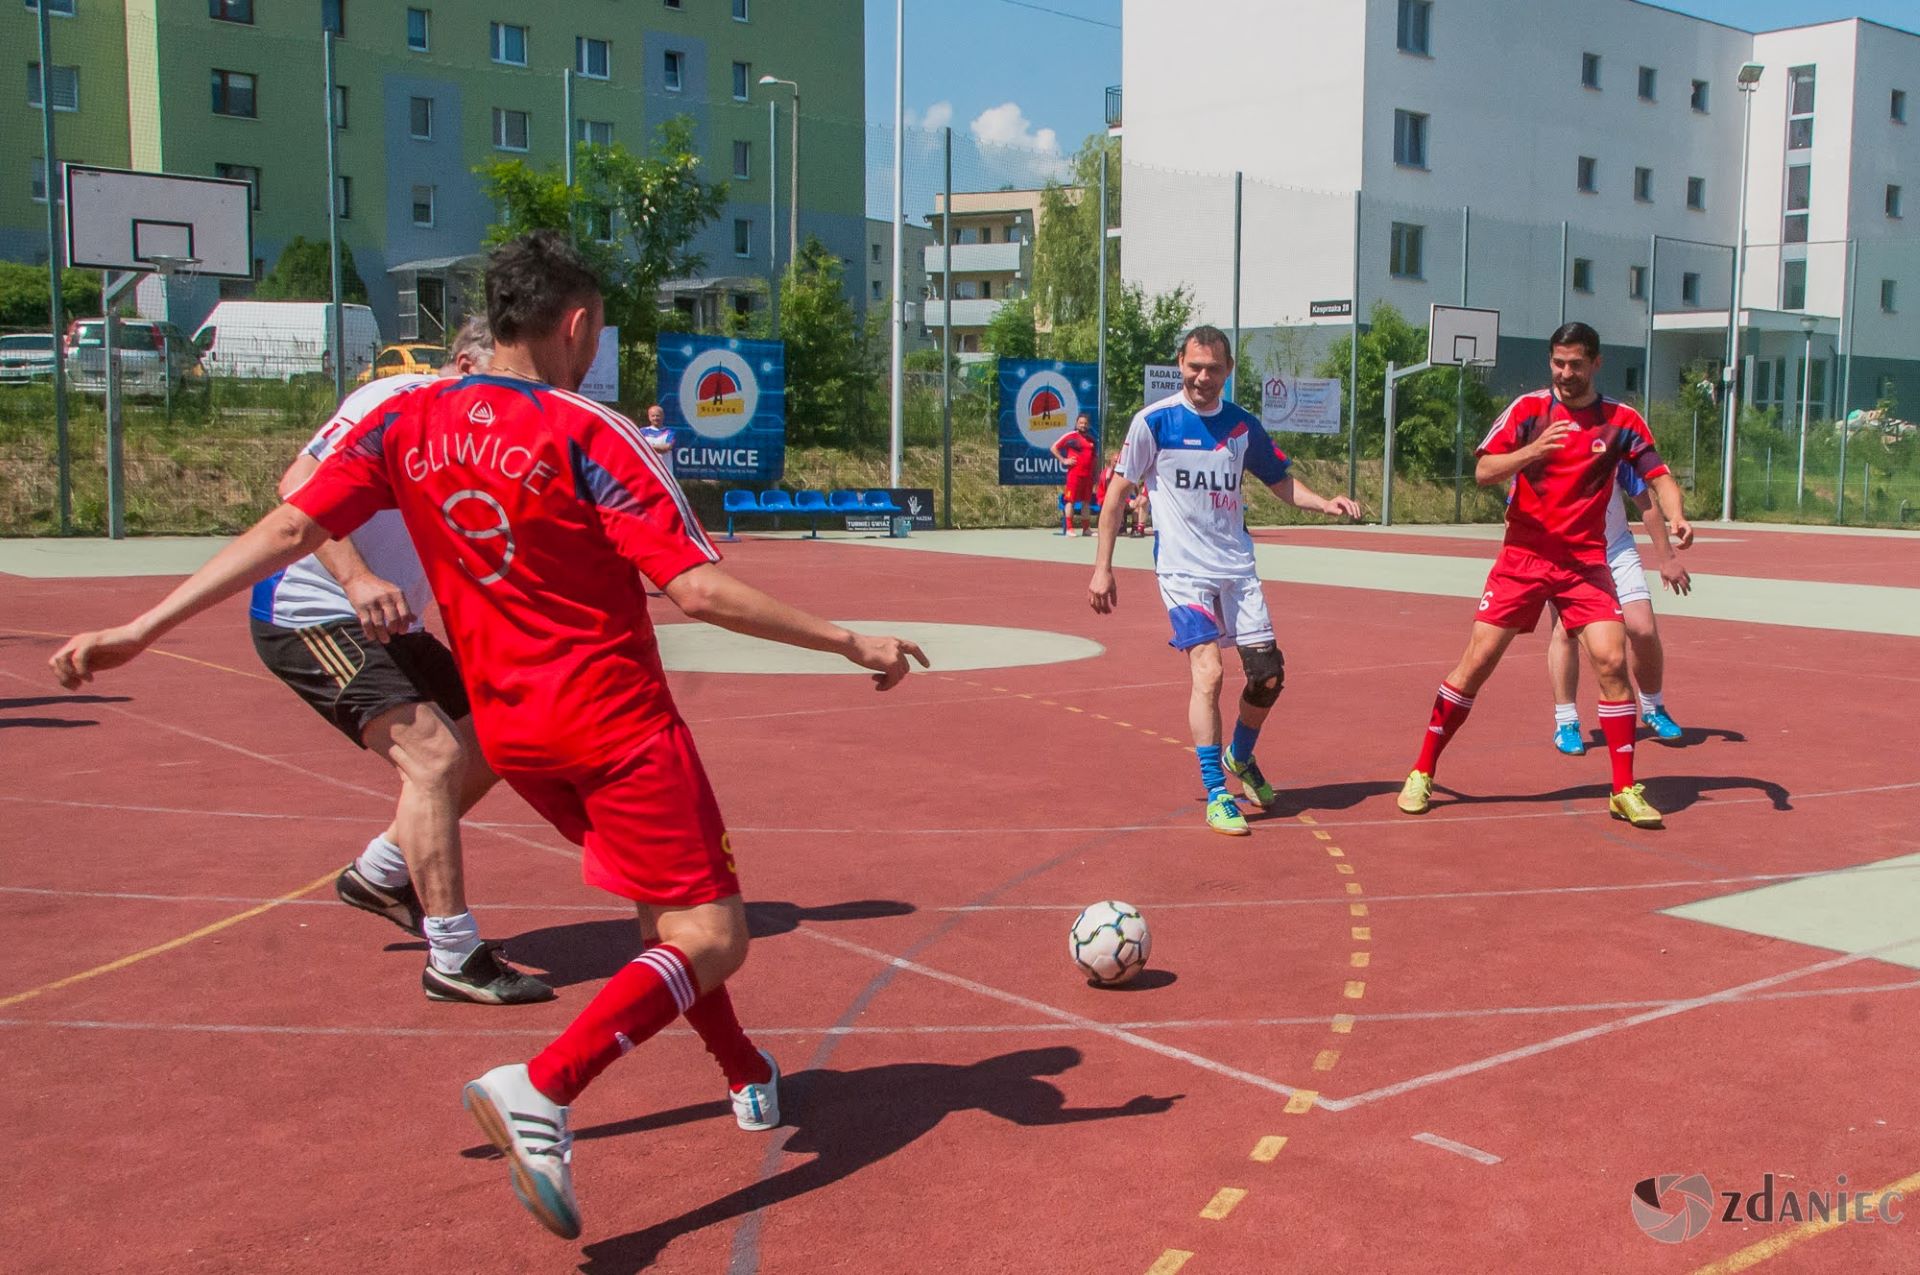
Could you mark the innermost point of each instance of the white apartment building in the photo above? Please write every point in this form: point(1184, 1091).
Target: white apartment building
point(878, 269)
point(1597, 144)
point(992, 260)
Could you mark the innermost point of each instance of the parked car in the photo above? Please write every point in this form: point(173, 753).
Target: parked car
point(280, 340)
point(26, 356)
point(155, 357)
point(408, 356)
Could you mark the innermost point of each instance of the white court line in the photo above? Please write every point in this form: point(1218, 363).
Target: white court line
point(1723, 997)
point(1458, 1148)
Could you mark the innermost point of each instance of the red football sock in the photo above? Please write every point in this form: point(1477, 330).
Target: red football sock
point(636, 1003)
point(1450, 709)
point(712, 1017)
point(1617, 721)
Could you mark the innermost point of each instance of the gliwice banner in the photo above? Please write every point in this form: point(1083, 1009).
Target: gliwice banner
point(726, 401)
point(1039, 400)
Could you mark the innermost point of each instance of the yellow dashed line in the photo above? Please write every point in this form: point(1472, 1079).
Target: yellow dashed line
point(1309, 820)
point(1177, 743)
point(1353, 887)
point(1071, 709)
point(1049, 703)
point(1335, 852)
point(1124, 725)
point(1344, 869)
point(1356, 909)
point(1024, 695)
point(1103, 717)
point(1169, 1262)
point(1360, 960)
point(1343, 1024)
point(1301, 1102)
point(1268, 1148)
point(1222, 1202)
point(1322, 834)
point(1363, 934)
point(999, 690)
point(1325, 1059)
point(1355, 989)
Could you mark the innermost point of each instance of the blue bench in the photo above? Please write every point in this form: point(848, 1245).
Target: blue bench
point(810, 505)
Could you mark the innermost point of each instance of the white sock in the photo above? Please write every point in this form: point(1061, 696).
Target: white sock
point(1650, 704)
point(383, 864)
point(1566, 715)
point(451, 940)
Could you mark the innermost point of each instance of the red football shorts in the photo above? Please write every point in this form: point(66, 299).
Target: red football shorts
point(1080, 485)
point(1522, 583)
point(649, 824)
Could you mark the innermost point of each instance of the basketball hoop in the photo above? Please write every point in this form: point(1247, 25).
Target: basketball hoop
point(171, 267)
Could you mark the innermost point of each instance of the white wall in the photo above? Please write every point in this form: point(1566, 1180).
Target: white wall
point(1886, 152)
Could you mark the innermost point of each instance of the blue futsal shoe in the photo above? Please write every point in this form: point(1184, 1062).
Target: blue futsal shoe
point(1662, 725)
point(1568, 739)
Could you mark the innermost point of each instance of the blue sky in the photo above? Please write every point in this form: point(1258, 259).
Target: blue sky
point(1033, 73)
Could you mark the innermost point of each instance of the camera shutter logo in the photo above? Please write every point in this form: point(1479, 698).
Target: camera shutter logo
point(1673, 1208)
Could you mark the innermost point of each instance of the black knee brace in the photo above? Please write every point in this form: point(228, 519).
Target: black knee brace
point(1266, 670)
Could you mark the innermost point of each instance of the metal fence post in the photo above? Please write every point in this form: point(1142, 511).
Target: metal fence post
point(1233, 376)
point(333, 224)
point(1353, 366)
point(55, 303)
point(946, 339)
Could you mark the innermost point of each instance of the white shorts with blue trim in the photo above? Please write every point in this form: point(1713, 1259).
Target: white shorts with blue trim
point(1629, 577)
point(1231, 611)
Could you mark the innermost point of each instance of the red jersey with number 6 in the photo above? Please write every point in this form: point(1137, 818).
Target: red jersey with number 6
point(534, 511)
point(1558, 506)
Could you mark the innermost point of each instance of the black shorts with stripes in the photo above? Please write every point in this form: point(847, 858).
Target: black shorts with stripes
point(351, 680)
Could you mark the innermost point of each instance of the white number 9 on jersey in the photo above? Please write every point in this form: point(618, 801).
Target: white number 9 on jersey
point(494, 527)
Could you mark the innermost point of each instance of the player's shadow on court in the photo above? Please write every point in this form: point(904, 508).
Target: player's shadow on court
point(1670, 794)
point(848, 1120)
point(592, 951)
point(52, 701)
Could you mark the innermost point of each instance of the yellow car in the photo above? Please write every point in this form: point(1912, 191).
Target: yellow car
point(409, 356)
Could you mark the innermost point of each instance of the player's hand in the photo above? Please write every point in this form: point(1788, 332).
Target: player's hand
point(1552, 440)
point(1682, 532)
point(380, 606)
point(1676, 577)
point(1103, 591)
point(88, 653)
point(1147, 1105)
point(887, 657)
point(1346, 506)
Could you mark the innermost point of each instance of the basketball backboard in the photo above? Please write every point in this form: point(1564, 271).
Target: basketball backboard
point(118, 219)
point(1460, 336)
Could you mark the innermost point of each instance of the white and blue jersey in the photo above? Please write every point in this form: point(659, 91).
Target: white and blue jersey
point(1192, 465)
point(1619, 530)
point(306, 594)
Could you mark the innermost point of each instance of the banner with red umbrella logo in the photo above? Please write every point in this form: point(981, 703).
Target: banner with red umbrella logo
point(1039, 401)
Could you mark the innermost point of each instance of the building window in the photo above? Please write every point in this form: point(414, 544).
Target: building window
point(1582, 274)
point(986, 289)
point(423, 206)
point(417, 20)
point(333, 16)
point(1893, 198)
point(1897, 106)
point(1416, 22)
point(1689, 288)
point(1800, 108)
point(593, 132)
point(675, 63)
point(231, 11)
point(1699, 99)
point(59, 9)
point(65, 87)
point(233, 94)
point(1633, 380)
point(743, 159)
point(876, 289)
point(1587, 174)
point(599, 223)
point(1590, 70)
point(509, 44)
point(742, 237)
point(1649, 81)
point(739, 10)
point(671, 4)
point(1697, 193)
point(1637, 282)
point(1410, 139)
point(420, 118)
point(1793, 285)
point(875, 249)
point(742, 76)
point(343, 196)
point(592, 58)
point(1405, 251)
point(509, 130)
point(242, 173)
point(1799, 198)
point(1643, 185)
point(1887, 297)
point(339, 106)
point(37, 179)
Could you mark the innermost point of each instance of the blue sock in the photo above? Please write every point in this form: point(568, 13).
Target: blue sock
point(1211, 775)
point(1244, 738)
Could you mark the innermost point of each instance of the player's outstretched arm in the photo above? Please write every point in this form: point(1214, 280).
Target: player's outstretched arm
point(1675, 575)
point(1673, 506)
point(1102, 591)
point(709, 594)
point(1301, 496)
point(278, 540)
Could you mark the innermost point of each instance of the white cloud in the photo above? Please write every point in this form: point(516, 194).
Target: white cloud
point(1008, 125)
point(936, 117)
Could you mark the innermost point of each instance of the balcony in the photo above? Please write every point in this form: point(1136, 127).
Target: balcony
point(975, 258)
point(1113, 108)
point(966, 314)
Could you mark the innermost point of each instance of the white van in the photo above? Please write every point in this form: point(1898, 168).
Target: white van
point(283, 339)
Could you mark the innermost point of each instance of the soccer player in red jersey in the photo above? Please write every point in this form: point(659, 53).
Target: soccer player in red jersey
point(1561, 447)
point(535, 511)
point(1078, 449)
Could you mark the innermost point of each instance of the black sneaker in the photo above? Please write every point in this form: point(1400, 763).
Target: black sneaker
point(485, 979)
point(401, 906)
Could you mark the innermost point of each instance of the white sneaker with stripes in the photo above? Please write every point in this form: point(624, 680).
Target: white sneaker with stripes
point(756, 1108)
point(530, 1130)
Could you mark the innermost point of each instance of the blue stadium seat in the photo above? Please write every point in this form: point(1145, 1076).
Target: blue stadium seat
point(736, 500)
point(776, 500)
point(812, 501)
point(844, 501)
point(879, 500)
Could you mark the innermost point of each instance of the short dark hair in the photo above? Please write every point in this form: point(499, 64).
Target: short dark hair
point(531, 281)
point(1576, 334)
point(1210, 337)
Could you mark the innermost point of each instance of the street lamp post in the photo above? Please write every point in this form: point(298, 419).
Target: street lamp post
point(793, 162)
point(1749, 80)
point(1807, 324)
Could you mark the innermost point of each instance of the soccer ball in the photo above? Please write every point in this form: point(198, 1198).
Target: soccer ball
point(1110, 943)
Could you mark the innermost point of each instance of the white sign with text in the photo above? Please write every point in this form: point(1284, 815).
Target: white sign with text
point(1300, 405)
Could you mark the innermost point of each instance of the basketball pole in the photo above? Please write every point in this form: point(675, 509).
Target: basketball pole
point(1460, 377)
point(896, 401)
point(110, 293)
point(55, 304)
point(333, 225)
point(1394, 377)
point(946, 341)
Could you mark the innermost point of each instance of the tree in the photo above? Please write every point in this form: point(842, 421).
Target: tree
point(1010, 333)
point(305, 273)
point(25, 295)
point(1066, 253)
point(1140, 330)
point(1427, 408)
point(825, 350)
point(633, 217)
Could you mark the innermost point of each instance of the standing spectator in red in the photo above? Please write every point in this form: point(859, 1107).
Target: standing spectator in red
point(1081, 454)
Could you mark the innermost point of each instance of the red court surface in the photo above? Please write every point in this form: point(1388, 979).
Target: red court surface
point(1367, 1043)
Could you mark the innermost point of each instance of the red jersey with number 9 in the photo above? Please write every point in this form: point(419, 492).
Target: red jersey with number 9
point(1558, 506)
point(534, 511)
